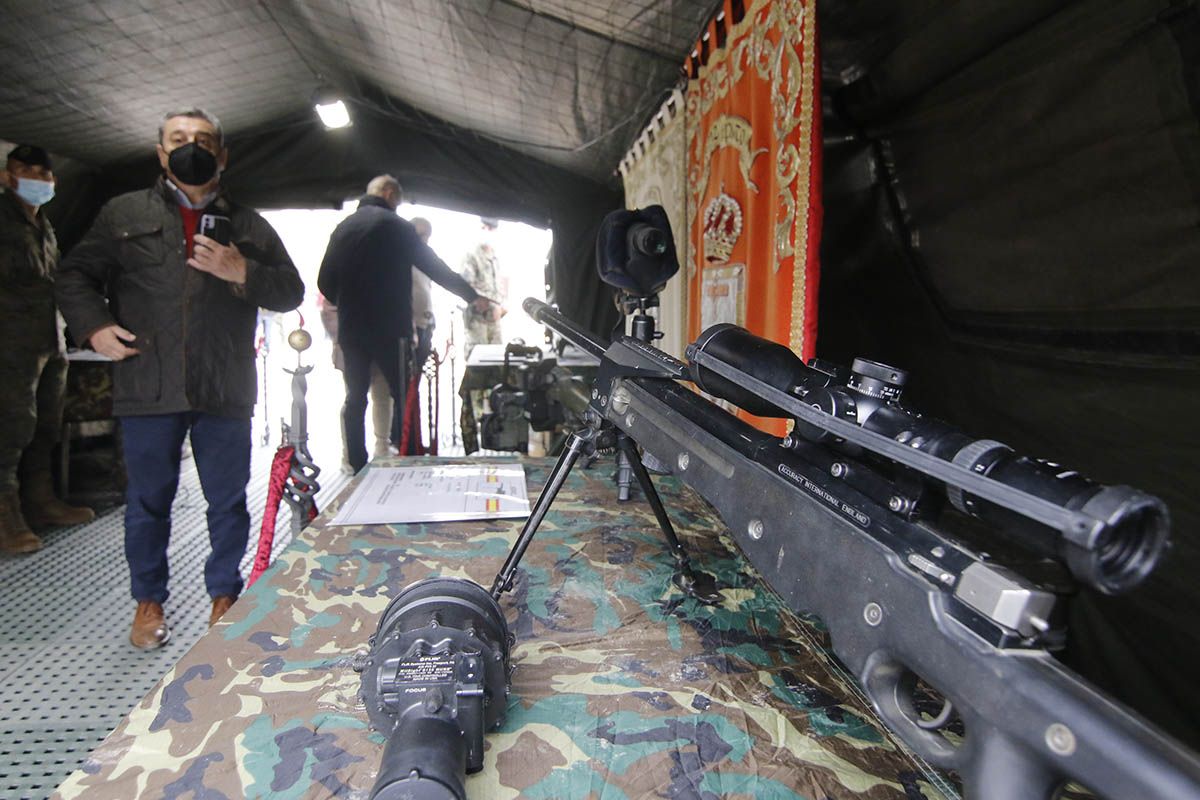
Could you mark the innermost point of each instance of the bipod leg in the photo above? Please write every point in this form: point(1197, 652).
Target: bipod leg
point(578, 443)
point(693, 583)
point(624, 476)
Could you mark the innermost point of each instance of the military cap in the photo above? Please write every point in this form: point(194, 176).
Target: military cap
point(31, 154)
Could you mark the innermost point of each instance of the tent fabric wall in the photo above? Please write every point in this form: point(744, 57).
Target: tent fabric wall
point(653, 173)
point(1011, 204)
point(754, 154)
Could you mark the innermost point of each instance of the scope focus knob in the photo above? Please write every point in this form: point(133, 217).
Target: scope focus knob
point(977, 457)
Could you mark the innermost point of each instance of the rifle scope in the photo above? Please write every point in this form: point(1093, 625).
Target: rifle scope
point(1116, 556)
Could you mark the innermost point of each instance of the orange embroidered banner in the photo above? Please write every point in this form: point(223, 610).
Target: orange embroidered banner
point(754, 175)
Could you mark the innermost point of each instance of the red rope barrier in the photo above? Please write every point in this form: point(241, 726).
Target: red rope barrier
point(412, 419)
point(280, 469)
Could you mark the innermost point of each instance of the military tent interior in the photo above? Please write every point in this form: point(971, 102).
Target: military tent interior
point(1011, 195)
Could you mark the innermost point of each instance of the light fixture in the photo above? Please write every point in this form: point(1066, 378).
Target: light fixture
point(330, 108)
point(334, 115)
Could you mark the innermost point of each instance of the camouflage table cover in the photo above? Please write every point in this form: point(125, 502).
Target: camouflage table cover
point(624, 688)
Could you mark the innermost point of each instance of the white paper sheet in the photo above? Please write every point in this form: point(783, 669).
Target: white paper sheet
point(436, 493)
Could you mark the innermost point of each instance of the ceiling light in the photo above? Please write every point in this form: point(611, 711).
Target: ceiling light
point(333, 113)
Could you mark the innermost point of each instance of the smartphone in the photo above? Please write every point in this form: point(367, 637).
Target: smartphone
point(216, 227)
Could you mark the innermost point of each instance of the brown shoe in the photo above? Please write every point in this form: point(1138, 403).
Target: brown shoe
point(43, 509)
point(221, 604)
point(15, 536)
point(150, 629)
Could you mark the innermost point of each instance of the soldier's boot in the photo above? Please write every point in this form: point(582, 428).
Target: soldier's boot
point(149, 630)
point(43, 509)
point(15, 536)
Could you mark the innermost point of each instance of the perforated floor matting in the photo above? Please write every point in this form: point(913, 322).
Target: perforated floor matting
point(67, 671)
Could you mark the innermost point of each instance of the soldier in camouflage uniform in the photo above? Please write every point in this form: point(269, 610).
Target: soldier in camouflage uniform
point(32, 368)
point(479, 268)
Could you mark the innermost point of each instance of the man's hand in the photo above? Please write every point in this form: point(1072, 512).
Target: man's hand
point(111, 342)
point(481, 305)
point(222, 261)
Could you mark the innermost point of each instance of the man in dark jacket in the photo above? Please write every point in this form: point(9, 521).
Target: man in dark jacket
point(176, 310)
point(32, 368)
point(367, 274)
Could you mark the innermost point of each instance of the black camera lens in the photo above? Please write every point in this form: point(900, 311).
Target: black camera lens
point(647, 240)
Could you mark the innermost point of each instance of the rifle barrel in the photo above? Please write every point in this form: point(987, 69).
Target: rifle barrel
point(565, 328)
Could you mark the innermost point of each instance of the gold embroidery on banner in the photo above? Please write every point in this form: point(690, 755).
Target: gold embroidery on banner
point(783, 229)
point(787, 61)
point(808, 107)
point(736, 132)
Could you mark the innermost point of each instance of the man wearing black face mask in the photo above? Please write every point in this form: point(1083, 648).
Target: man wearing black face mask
point(176, 310)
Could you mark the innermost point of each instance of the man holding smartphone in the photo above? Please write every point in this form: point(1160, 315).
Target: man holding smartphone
point(176, 310)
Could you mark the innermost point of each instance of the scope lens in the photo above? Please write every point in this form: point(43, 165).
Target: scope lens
point(1131, 548)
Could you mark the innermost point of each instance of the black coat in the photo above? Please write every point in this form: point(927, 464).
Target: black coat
point(367, 274)
point(195, 332)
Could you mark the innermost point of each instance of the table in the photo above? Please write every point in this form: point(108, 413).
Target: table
point(624, 687)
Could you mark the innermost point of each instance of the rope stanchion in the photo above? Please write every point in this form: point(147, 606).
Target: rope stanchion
point(293, 474)
point(281, 469)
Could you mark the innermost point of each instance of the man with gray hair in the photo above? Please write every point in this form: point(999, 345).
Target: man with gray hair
point(167, 283)
point(367, 274)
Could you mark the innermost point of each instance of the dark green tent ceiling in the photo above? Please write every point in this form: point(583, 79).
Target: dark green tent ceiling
point(568, 82)
point(516, 108)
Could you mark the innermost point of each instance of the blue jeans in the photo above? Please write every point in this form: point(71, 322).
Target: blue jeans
point(221, 447)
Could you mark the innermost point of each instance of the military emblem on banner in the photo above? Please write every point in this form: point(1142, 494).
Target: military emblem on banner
point(722, 228)
point(722, 293)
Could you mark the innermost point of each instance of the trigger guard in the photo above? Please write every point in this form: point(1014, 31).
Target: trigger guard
point(889, 685)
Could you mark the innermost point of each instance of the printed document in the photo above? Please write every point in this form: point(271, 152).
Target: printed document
point(437, 493)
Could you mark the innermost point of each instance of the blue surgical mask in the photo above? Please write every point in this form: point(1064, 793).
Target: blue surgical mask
point(34, 192)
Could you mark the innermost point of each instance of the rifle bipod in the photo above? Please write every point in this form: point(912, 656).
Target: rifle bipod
point(694, 583)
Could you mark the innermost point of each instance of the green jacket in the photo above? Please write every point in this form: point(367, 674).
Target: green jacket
point(28, 255)
point(195, 331)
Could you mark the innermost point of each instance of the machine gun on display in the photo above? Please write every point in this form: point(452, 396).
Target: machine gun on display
point(837, 516)
point(534, 392)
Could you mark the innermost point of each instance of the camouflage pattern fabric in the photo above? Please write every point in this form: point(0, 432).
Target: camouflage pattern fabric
point(31, 401)
point(89, 391)
point(482, 331)
point(32, 369)
point(624, 688)
point(28, 260)
point(479, 270)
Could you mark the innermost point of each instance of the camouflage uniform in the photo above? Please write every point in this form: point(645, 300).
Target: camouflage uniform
point(479, 268)
point(32, 367)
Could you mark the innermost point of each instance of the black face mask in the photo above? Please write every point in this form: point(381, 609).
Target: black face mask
point(192, 164)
